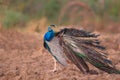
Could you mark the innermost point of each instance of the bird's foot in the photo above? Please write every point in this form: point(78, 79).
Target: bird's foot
point(56, 68)
point(53, 70)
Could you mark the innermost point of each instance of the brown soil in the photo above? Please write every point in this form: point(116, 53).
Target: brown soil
point(22, 57)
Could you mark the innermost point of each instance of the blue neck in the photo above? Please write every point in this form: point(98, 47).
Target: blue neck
point(49, 35)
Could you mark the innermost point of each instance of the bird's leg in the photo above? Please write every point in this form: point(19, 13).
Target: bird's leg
point(55, 66)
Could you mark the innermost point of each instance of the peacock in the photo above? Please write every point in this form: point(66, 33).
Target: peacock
point(78, 46)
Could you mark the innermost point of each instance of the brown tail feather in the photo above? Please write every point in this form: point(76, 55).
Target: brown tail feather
point(78, 61)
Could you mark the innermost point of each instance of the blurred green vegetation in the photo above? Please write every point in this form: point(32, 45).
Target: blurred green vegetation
point(14, 18)
point(17, 12)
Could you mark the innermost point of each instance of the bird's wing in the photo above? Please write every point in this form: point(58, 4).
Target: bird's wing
point(56, 50)
point(77, 33)
point(80, 47)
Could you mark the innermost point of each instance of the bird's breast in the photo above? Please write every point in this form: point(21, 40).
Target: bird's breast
point(57, 51)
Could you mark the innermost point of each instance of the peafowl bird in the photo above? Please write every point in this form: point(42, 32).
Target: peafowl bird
point(79, 47)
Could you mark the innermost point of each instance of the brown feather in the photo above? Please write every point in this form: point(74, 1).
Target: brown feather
point(79, 62)
point(80, 46)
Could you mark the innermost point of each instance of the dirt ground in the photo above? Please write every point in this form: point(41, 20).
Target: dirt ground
point(22, 57)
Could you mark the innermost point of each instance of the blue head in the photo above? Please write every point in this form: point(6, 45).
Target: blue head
point(49, 35)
